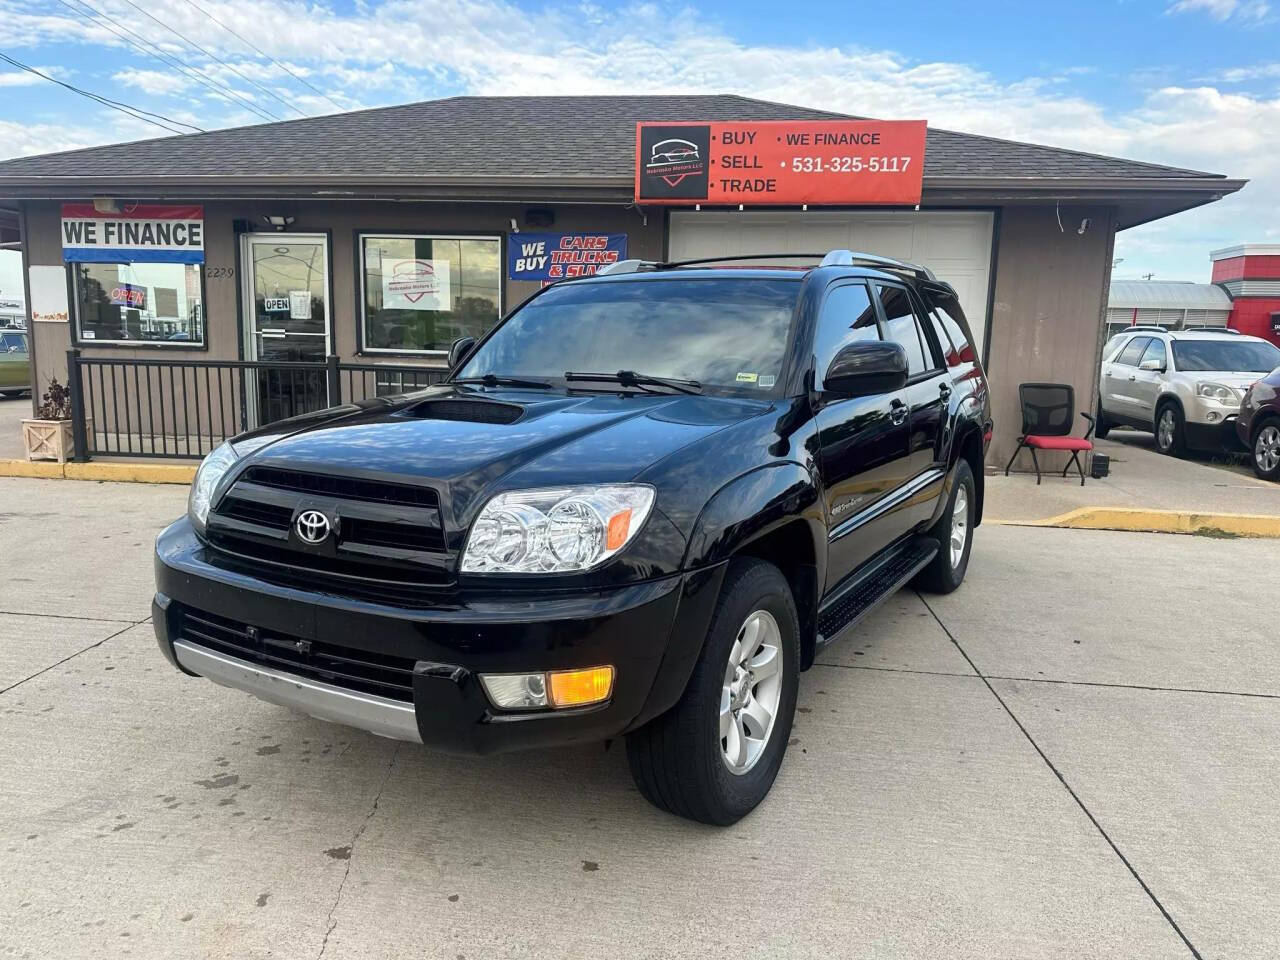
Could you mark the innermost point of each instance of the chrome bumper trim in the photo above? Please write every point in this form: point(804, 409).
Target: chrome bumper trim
point(380, 715)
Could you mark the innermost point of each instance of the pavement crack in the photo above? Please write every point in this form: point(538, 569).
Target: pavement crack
point(1063, 780)
point(331, 922)
point(924, 673)
point(125, 629)
point(1138, 686)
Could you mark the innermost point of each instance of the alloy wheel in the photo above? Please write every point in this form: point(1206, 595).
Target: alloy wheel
point(1266, 449)
point(959, 525)
point(752, 692)
point(1164, 430)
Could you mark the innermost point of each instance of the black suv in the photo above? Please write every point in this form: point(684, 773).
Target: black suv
point(639, 506)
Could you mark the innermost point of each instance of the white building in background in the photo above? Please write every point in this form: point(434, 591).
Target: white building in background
point(1174, 304)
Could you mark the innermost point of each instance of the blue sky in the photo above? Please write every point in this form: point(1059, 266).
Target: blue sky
point(1188, 82)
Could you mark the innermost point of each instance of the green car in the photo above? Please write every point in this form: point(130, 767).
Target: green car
point(15, 363)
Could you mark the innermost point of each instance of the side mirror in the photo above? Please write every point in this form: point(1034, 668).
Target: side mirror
point(1151, 366)
point(866, 368)
point(460, 350)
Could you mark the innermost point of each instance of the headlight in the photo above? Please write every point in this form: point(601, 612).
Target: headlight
point(212, 469)
point(1216, 391)
point(556, 530)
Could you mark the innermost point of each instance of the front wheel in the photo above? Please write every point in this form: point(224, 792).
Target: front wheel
point(954, 531)
point(1266, 451)
point(1169, 430)
point(714, 755)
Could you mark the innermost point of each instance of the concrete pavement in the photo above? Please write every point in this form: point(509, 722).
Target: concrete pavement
point(1140, 478)
point(1094, 804)
point(12, 413)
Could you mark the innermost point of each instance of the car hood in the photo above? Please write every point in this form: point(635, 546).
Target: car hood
point(471, 443)
point(1228, 378)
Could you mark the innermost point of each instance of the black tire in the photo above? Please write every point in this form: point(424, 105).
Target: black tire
point(1175, 444)
point(1264, 436)
point(677, 759)
point(1102, 427)
point(943, 574)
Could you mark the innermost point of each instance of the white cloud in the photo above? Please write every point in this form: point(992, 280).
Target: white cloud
point(1248, 10)
point(17, 78)
point(402, 50)
point(156, 82)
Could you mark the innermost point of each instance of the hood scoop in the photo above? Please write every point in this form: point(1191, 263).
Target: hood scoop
point(466, 411)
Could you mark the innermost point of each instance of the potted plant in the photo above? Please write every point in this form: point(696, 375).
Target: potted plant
point(48, 436)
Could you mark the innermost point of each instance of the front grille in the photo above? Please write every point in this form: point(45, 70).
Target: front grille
point(376, 673)
point(386, 536)
point(343, 488)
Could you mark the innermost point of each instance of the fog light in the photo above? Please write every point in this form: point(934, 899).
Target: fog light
point(516, 691)
point(562, 688)
point(577, 688)
point(1212, 416)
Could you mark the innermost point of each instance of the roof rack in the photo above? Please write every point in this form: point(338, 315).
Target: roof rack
point(1145, 326)
point(833, 258)
point(1211, 328)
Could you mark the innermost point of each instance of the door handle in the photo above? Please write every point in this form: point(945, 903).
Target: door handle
point(1132, 377)
point(897, 412)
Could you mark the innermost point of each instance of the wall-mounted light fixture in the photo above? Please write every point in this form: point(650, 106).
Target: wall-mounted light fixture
point(105, 205)
point(278, 223)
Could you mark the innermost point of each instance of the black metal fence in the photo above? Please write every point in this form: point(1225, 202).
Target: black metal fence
point(182, 409)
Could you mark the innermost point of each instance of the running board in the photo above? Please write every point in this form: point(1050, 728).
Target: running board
point(870, 588)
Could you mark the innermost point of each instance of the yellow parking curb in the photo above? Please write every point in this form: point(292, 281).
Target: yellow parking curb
point(1161, 521)
point(115, 472)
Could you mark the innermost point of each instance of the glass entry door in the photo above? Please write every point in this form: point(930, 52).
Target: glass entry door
point(286, 294)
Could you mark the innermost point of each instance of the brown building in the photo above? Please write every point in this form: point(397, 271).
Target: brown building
point(304, 227)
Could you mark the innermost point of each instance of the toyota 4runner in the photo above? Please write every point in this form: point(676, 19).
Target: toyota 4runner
point(639, 507)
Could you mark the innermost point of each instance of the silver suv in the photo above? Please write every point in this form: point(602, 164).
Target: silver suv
point(1185, 386)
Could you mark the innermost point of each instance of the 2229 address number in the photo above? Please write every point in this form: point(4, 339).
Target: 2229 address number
point(850, 164)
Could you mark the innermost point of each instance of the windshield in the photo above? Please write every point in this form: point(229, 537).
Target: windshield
point(727, 334)
point(1245, 356)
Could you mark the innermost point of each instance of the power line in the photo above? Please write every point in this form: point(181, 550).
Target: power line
point(262, 52)
point(136, 112)
point(152, 50)
point(218, 59)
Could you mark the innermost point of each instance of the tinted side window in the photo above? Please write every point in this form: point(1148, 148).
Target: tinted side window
point(901, 327)
point(1130, 354)
point(1155, 351)
point(847, 317)
point(947, 313)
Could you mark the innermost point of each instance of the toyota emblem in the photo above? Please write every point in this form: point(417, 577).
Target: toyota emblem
point(312, 526)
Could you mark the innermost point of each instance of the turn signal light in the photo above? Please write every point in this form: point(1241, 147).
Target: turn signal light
point(579, 688)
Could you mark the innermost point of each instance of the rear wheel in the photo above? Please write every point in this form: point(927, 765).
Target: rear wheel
point(1169, 430)
point(954, 531)
point(1266, 451)
point(1101, 426)
point(714, 755)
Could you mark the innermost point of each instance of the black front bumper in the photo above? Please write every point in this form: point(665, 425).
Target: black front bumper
point(651, 632)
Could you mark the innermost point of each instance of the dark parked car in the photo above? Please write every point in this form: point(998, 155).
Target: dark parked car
point(15, 363)
point(1259, 425)
point(639, 507)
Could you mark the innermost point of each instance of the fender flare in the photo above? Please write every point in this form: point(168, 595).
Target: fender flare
point(752, 506)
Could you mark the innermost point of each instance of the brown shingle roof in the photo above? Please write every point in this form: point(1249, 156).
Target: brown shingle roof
point(551, 137)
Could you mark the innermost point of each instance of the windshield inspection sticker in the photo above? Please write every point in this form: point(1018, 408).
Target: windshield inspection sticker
point(747, 378)
point(766, 381)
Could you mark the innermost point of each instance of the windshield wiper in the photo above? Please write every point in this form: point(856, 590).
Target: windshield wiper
point(629, 378)
point(494, 380)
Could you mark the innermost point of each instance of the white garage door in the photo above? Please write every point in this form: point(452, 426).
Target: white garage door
point(955, 245)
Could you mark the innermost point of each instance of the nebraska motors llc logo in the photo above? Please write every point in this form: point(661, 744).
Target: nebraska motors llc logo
point(674, 161)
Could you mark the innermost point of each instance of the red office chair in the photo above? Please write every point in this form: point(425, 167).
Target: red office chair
point(1047, 413)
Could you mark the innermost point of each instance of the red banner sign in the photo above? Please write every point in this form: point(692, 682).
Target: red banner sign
point(781, 162)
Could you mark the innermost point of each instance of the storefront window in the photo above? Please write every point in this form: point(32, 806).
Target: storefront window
point(422, 292)
point(154, 303)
